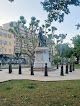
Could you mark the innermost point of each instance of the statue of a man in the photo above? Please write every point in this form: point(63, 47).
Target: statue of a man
point(42, 40)
point(40, 36)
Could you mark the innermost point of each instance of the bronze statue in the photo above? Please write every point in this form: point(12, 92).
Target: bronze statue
point(42, 40)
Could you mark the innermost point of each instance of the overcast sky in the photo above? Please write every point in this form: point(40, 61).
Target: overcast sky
point(28, 8)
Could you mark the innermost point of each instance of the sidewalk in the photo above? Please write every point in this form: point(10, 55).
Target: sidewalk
point(39, 76)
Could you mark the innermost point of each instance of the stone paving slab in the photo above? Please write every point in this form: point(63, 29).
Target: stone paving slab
point(38, 76)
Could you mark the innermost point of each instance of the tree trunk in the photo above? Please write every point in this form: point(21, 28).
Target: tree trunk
point(29, 61)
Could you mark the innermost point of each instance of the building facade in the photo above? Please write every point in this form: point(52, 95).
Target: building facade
point(17, 43)
point(6, 42)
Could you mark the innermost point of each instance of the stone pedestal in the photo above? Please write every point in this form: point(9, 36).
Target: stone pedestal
point(41, 57)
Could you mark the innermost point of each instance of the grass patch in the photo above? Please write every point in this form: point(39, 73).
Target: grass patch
point(8, 88)
point(54, 65)
point(34, 93)
point(32, 85)
point(15, 67)
point(77, 66)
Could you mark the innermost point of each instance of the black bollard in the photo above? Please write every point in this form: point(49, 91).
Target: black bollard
point(70, 68)
point(67, 68)
point(73, 67)
point(20, 69)
point(10, 70)
point(46, 72)
point(62, 74)
point(32, 73)
point(57, 66)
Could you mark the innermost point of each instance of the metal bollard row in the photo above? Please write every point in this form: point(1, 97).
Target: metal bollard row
point(71, 68)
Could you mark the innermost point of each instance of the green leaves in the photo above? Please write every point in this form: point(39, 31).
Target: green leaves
point(78, 25)
point(11, 24)
point(11, 0)
point(11, 30)
point(19, 30)
point(33, 18)
point(64, 50)
point(47, 25)
point(53, 28)
point(63, 36)
point(34, 25)
point(21, 17)
point(57, 59)
point(17, 54)
point(57, 8)
point(76, 42)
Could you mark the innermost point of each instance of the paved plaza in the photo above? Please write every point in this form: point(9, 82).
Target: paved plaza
point(38, 76)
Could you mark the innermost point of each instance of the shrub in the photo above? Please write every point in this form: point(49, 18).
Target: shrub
point(57, 60)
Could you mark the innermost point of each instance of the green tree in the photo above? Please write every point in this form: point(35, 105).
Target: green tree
point(33, 38)
point(57, 59)
point(48, 33)
point(76, 50)
point(72, 59)
point(51, 37)
point(30, 35)
point(19, 30)
point(58, 8)
point(59, 40)
point(66, 50)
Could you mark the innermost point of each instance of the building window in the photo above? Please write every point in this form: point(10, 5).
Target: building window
point(9, 43)
point(0, 41)
point(5, 42)
point(9, 36)
point(0, 33)
point(5, 50)
point(5, 35)
point(9, 50)
point(0, 49)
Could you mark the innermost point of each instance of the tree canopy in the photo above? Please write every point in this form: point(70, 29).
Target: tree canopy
point(11, 0)
point(78, 26)
point(27, 35)
point(76, 50)
point(66, 50)
point(58, 8)
point(19, 30)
